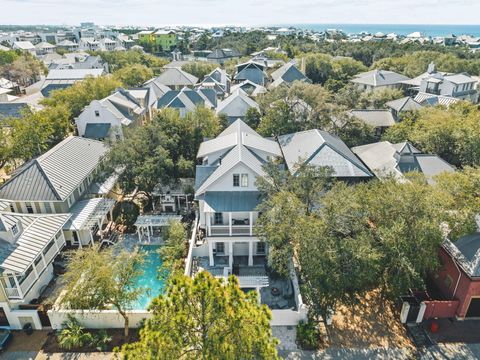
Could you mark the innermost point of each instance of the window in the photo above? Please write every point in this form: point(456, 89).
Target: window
point(448, 281)
point(244, 180)
point(220, 246)
point(29, 208)
point(48, 207)
point(97, 113)
point(218, 219)
point(48, 247)
point(260, 247)
point(15, 229)
point(12, 209)
point(236, 180)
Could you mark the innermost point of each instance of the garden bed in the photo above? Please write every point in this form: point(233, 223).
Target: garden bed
point(51, 344)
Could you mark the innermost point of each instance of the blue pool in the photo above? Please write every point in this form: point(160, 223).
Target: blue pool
point(149, 279)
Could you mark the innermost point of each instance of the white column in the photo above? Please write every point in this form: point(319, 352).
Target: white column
point(230, 254)
point(209, 230)
point(18, 286)
point(251, 223)
point(210, 253)
point(250, 253)
point(43, 260)
point(230, 223)
point(138, 233)
point(148, 233)
point(35, 271)
point(91, 239)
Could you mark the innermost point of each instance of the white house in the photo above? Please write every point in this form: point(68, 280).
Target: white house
point(228, 196)
point(236, 105)
point(28, 245)
point(105, 119)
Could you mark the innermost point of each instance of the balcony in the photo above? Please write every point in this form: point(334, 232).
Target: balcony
point(236, 230)
point(231, 223)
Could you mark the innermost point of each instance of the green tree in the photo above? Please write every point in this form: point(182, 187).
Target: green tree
point(452, 133)
point(80, 94)
point(133, 75)
point(199, 68)
point(318, 67)
point(173, 252)
point(252, 118)
point(95, 279)
point(205, 318)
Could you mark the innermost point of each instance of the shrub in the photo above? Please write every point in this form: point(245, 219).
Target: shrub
point(102, 340)
point(308, 335)
point(73, 335)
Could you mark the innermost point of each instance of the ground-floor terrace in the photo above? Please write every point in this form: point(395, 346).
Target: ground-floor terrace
point(246, 258)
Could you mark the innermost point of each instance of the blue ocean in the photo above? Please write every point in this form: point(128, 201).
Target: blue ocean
point(403, 29)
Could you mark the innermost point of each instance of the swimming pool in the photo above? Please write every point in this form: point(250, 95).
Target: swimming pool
point(149, 279)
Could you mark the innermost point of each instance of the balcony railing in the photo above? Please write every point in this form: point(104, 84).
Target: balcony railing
point(222, 230)
point(27, 283)
point(12, 293)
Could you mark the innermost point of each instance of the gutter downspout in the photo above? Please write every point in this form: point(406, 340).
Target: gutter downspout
point(458, 280)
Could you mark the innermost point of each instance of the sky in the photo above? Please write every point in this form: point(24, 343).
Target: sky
point(239, 12)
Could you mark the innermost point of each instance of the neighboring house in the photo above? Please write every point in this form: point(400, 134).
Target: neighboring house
point(59, 182)
point(236, 106)
point(460, 86)
point(426, 99)
point(107, 44)
point(250, 88)
point(220, 56)
point(379, 119)
point(12, 110)
point(44, 48)
point(61, 79)
point(78, 61)
point(379, 79)
point(25, 46)
point(166, 39)
point(176, 78)
point(403, 105)
point(227, 195)
point(68, 45)
point(287, 74)
point(322, 149)
point(105, 119)
point(157, 89)
point(217, 80)
point(28, 246)
point(458, 276)
point(253, 71)
point(187, 100)
point(385, 159)
point(10, 85)
point(89, 43)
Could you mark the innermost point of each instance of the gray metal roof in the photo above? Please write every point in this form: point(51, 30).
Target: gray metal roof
point(220, 201)
point(404, 104)
point(55, 174)
point(97, 130)
point(375, 118)
point(385, 159)
point(466, 251)
point(319, 148)
point(176, 77)
point(38, 230)
point(73, 74)
point(379, 78)
point(236, 105)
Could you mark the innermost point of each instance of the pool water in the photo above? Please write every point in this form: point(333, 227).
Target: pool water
point(149, 279)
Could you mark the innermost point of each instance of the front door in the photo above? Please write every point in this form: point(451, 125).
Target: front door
point(474, 308)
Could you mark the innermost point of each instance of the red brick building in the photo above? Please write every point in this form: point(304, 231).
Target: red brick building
point(459, 274)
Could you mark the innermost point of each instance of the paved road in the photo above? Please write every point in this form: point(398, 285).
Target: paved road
point(456, 351)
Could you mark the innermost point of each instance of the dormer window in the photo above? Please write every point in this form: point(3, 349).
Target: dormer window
point(97, 113)
point(15, 230)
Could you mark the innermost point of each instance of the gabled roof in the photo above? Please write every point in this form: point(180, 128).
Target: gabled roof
point(459, 79)
point(38, 230)
point(404, 104)
point(45, 45)
point(173, 76)
point(258, 89)
point(289, 73)
point(236, 144)
point(55, 174)
point(426, 99)
point(73, 74)
point(223, 54)
point(379, 78)
point(188, 99)
point(375, 118)
point(386, 159)
point(23, 45)
point(466, 251)
point(319, 148)
point(236, 105)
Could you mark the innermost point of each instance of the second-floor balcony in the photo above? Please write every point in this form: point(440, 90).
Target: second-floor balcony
point(231, 223)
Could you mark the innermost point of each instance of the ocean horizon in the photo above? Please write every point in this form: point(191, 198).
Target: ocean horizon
point(399, 29)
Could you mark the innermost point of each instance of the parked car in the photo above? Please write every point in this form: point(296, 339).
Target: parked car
point(5, 338)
